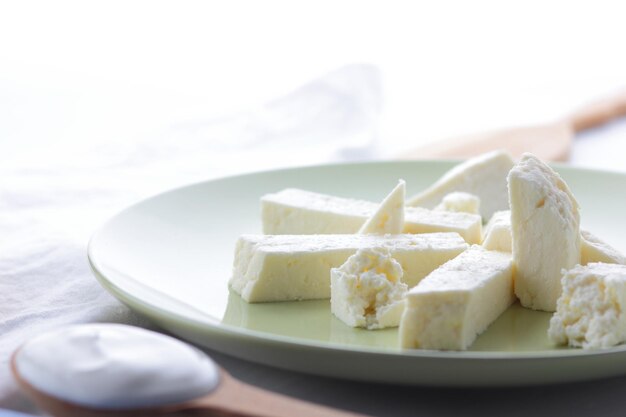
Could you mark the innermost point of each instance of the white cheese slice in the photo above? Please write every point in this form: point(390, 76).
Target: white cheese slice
point(449, 308)
point(460, 202)
point(484, 176)
point(498, 232)
point(591, 312)
point(299, 212)
point(389, 217)
point(595, 250)
point(367, 291)
point(297, 267)
point(545, 228)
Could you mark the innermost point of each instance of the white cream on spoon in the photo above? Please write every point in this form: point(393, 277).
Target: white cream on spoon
point(94, 370)
point(115, 366)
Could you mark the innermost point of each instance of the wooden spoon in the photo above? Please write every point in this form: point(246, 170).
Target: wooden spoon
point(551, 141)
point(231, 398)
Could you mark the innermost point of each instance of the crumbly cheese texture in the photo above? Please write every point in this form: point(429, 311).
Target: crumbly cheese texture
point(545, 230)
point(300, 212)
point(389, 217)
point(459, 201)
point(593, 249)
point(367, 291)
point(483, 176)
point(591, 312)
point(449, 308)
point(497, 234)
point(297, 267)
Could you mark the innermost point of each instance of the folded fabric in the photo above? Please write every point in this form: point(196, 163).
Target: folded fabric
point(51, 204)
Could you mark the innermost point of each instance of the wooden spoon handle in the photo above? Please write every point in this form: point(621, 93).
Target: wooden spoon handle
point(599, 112)
point(237, 399)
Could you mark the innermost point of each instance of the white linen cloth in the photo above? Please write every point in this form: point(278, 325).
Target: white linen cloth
point(52, 200)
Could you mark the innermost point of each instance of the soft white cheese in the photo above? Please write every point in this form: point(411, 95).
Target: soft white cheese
point(449, 308)
point(299, 212)
point(297, 267)
point(592, 249)
point(591, 312)
point(460, 202)
point(595, 250)
point(484, 176)
point(367, 291)
point(498, 232)
point(389, 217)
point(545, 228)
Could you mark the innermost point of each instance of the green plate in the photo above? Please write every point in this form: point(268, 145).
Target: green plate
point(170, 257)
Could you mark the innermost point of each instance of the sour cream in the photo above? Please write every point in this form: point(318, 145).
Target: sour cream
point(114, 366)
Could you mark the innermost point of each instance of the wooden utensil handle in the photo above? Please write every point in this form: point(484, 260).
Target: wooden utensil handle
point(237, 399)
point(599, 112)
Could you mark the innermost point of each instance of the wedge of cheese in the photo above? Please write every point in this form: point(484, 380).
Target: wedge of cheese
point(367, 290)
point(293, 211)
point(484, 176)
point(460, 202)
point(297, 267)
point(545, 228)
point(595, 250)
point(591, 312)
point(497, 234)
point(449, 308)
point(389, 217)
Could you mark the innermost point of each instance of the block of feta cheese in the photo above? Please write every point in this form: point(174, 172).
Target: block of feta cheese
point(389, 217)
point(591, 312)
point(367, 290)
point(545, 231)
point(297, 267)
point(497, 234)
point(298, 212)
point(484, 176)
point(449, 308)
point(460, 202)
point(595, 250)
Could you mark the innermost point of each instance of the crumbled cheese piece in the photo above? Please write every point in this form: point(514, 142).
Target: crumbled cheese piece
point(366, 291)
point(459, 201)
point(591, 312)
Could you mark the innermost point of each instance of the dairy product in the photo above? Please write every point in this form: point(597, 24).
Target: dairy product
point(484, 176)
point(591, 312)
point(455, 303)
point(595, 250)
point(297, 267)
point(460, 202)
point(293, 211)
point(497, 234)
point(367, 291)
point(389, 217)
point(545, 231)
point(114, 366)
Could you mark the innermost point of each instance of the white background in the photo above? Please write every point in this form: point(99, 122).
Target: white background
point(81, 72)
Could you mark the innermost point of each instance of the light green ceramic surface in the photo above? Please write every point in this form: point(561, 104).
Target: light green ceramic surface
point(170, 258)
